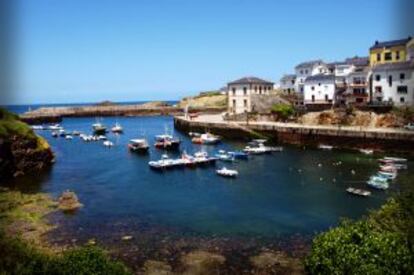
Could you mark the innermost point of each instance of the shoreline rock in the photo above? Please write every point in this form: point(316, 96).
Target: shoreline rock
point(68, 201)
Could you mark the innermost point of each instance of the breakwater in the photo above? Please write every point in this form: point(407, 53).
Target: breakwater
point(55, 114)
point(297, 134)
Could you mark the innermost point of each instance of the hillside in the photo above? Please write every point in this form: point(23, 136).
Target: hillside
point(21, 150)
point(211, 99)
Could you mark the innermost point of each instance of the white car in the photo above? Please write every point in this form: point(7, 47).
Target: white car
point(409, 126)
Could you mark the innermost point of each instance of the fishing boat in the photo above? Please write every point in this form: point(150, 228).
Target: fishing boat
point(257, 147)
point(117, 128)
point(167, 142)
point(366, 151)
point(358, 192)
point(206, 139)
point(325, 147)
point(239, 155)
point(98, 128)
point(163, 163)
point(227, 172)
point(138, 145)
point(378, 182)
point(108, 143)
point(223, 156)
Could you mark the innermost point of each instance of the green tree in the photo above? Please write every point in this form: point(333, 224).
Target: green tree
point(282, 110)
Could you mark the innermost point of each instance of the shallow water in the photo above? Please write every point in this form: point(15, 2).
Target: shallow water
point(296, 191)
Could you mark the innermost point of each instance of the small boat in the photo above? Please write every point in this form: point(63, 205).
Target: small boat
point(202, 157)
point(239, 155)
point(366, 151)
point(55, 134)
point(55, 127)
point(358, 192)
point(227, 172)
point(98, 128)
point(138, 145)
point(388, 168)
point(69, 137)
point(37, 127)
point(378, 182)
point(207, 139)
point(393, 159)
point(325, 147)
point(257, 147)
point(76, 133)
point(167, 142)
point(388, 175)
point(117, 128)
point(101, 137)
point(223, 156)
point(62, 133)
point(194, 134)
point(163, 163)
point(108, 143)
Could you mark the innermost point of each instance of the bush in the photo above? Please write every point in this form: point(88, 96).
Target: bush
point(282, 110)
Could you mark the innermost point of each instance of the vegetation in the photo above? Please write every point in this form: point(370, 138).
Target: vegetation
point(23, 215)
point(405, 113)
point(381, 243)
point(283, 111)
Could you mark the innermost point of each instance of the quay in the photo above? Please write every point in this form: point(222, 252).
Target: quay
point(350, 137)
point(55, 114)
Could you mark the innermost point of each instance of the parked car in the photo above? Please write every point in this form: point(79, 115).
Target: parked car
point(409, 126)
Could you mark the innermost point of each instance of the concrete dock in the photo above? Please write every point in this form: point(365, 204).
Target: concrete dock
point(292, 133)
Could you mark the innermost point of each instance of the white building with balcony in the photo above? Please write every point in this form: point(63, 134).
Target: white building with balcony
point(319, 89)
point(287, 83)
point(306, 69)
point(240, 93)
point(393, 83)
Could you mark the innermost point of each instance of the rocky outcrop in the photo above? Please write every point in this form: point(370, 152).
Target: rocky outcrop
point(21, 155)
point(68, 201)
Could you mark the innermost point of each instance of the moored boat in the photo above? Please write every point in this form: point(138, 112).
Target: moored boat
point(366, 151)
point(378, 182)
point(257, 147)
point(223, 156)
point(55, 127)
point(206, 139)
point(55, 134)
point(358, 192)
point(167, 142)
point(108, 143)
point(239, 155)
point(117, 128)
point(227, 172)
point(138, 145)
point(98, 128)
point(325, 147)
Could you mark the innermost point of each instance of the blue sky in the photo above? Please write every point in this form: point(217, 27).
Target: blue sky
point(86, 51)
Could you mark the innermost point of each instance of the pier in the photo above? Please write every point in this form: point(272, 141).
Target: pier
point(350, 137)
point(55, 114)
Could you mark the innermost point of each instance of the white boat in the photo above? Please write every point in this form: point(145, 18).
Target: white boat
point(325, 147)
point(393, 159)
point(138, 145)
point(37, 127)
point(257, 147)
point(223, 156)
point(102, 137)
point(76, 133)
point(108, 143)
point(55, 127)
point(378, 182)
point(55, 134)
point(227, 172)
point(388, 175)
point(207, 139)
point(366, 151)
point(117, 128)
point(98, 128)
point(358, 192)
point(68, 137)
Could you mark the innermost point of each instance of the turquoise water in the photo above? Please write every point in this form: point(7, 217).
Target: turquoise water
point(296, 191)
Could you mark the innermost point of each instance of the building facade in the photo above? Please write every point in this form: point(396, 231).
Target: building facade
point(393, 83)
point(287, 83)
point(306, 69)
point(389, 51)
point(319, 89)
point(240, 93)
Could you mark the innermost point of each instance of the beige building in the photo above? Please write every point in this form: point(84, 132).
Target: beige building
point(240, 93)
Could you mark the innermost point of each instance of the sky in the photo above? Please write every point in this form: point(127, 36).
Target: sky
point(87, 51)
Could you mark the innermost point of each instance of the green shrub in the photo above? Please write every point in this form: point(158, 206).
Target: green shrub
point(282, 110)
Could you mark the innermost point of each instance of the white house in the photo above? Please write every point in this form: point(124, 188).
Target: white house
point(393, 83)
point(306, 69)
point(240, 92)
point(287, 83)
point(319, 89)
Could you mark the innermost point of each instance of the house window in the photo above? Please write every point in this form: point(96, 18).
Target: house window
point(313, 98)
point(313, 88)
point(301, 71)
point(378, 89)
point(260, 90)
point(244, 90)
point(402, 76)
point(390, 80)
point(377, 77)
point(306, 71)
point(234, 91)
point(255, 89)
point(378, 57)
point(319, 84)
point(387, 56)
point(301, 89)
point(234, 104)
point(245, 103)
point(326, 97)
point(397, 55)
point(402, 99)
point(402, 89)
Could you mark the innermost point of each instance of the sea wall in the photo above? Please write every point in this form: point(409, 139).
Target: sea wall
point(342, 137)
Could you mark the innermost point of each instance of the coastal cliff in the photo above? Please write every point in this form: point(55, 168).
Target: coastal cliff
point(21, 150)
point(212, 99)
